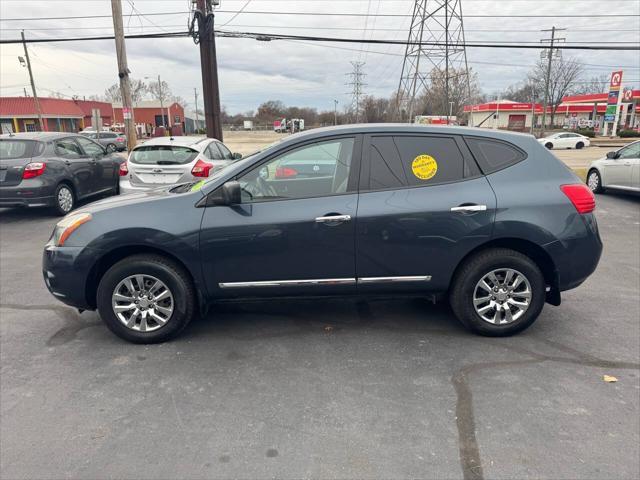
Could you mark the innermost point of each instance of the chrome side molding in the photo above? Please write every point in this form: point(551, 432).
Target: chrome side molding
point(289, 283)
point(414, 278)
point(325, 281)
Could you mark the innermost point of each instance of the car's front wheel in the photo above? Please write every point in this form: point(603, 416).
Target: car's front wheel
point(594, 182)
point(498, 292)
point(146, 299)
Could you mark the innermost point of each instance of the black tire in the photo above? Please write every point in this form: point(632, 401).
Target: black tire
point(474, 269)
point(167, 271)
point(597, 181)
point(579, 145)
point(549, 145)
point(111, 148)
point(60, 207)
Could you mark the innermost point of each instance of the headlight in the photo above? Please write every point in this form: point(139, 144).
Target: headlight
point(67, 226)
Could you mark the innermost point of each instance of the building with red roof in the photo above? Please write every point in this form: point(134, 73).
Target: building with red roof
point(575, 111)
point(19, 114)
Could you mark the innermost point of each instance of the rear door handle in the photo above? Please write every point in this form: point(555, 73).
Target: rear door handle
point(333, 219)
point(469, 208)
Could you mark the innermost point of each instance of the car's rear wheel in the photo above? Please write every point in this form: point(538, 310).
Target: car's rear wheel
point(580, 145)
point(498, 292)
point(111, 148)
point(64, 199)
point(549, 145)
point(594, 182)
point(146, 299)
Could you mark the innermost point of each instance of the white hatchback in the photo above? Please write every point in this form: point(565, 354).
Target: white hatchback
point(565, 140)
point(171, 160)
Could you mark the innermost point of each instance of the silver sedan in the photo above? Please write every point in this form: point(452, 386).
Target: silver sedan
point(618, 170)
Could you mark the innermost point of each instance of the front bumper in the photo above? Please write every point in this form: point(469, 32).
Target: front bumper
point(65, 271)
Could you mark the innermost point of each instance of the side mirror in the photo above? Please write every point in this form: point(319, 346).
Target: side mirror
point(613, 155)
point(228, 194)
point(236, 156)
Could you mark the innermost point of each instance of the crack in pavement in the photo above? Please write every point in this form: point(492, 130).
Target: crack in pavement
point(468, 448)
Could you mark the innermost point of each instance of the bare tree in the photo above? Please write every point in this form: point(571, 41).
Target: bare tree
point(160, 91)
point(562, 80)
point(596, 84)
point(461, 93)
point(138, 90)
point(113, 94)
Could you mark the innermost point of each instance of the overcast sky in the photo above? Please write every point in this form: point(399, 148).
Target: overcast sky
point(298, 73)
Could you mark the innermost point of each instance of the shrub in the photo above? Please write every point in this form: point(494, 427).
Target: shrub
point(587, 132)
point(628, 134)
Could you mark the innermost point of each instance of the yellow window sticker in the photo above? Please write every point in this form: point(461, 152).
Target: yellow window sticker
point(197, 186)
point(424, 167)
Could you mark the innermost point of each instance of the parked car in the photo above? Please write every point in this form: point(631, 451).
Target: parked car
point(112, 141)
point(619, 170)
point(565, 140)
point(489, 219)
point(51, 169)
point(169, 160)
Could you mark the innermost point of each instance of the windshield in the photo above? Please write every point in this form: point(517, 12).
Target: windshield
point(163, 155)
point(11, 149)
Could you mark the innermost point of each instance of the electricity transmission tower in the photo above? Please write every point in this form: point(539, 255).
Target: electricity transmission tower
point(356, 83)
point(436, 42)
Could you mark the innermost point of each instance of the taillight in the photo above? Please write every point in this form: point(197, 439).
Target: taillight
point(124, 170)
point(286, 172)
point(33, 170)
point(120, 139)
point(581, 197)
point(201, 169)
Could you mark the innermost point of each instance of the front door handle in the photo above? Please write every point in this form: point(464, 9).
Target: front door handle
point(333, 219)
point(469, 208)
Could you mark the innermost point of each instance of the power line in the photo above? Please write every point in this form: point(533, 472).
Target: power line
point(623, 46)
point(334, 14)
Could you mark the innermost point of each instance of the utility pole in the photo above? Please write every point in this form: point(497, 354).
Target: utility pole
point(209, 66)
point(195, 92)
point(36, 100)
point(160, 95)
point(356, 84)
point(335, 112)
point(123, 74)
point(550, 53)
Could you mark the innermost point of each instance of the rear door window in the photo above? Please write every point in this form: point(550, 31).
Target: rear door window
point(163, 155)
point(213, 152)
point(493, 155)
point(90, 147)
point(226, 153)
point(412, 161)
point(68, 148)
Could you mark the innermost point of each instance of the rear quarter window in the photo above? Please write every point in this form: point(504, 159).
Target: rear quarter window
point(493, 155)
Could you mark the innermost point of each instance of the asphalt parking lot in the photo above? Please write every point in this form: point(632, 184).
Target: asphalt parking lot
point(323, 389)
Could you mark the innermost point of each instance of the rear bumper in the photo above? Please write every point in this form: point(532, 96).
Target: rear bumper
point(577, 256)
point(65, 271)
point(127, 187)
point(24, 196)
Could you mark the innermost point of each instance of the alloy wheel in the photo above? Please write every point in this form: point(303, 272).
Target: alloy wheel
point(142, 303)
point(593, 181)
point(65, 199)
point(502, 296)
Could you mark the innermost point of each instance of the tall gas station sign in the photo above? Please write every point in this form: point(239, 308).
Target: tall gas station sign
point(614, 102)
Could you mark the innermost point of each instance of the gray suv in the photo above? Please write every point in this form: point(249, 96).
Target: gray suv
point(491, 221)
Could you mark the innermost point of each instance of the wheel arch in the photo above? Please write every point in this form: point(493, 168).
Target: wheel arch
point(530, 249)
point(104, 262)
